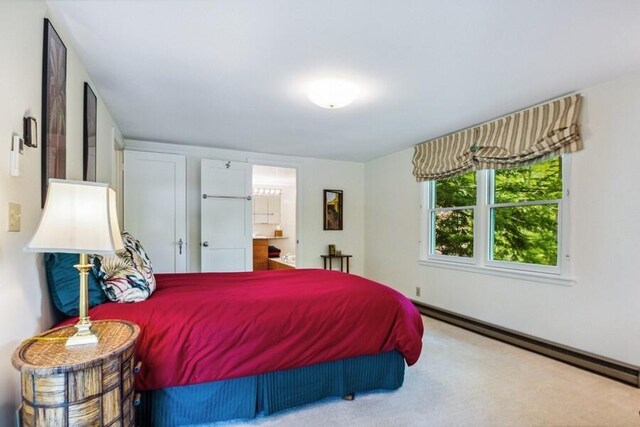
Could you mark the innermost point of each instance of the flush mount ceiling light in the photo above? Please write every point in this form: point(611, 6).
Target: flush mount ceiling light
point(332, 93)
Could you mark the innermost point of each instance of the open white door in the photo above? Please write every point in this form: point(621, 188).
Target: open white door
point(155, 207)
point(225, 216)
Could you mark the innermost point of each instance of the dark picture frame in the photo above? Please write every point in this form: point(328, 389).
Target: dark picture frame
point(54, 107)
point(332, 209)
point(89, 131)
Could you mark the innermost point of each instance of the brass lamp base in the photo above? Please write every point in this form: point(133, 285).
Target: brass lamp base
point(82, 338)
point(84, 335)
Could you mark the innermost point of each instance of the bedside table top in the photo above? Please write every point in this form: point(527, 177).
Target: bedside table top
point(47, 353)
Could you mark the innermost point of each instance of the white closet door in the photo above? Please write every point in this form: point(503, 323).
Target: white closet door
point(155, 205)
point(225, 220)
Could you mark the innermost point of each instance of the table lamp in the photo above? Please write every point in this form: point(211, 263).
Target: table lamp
point(79, 217)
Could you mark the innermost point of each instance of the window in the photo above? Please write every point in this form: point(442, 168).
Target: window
point(524, 205)
point(500, 219)
point(454, 201)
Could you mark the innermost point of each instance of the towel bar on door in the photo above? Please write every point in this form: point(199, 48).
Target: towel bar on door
point(206, 196)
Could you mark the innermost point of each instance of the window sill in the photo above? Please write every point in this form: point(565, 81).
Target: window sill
point(552, 279)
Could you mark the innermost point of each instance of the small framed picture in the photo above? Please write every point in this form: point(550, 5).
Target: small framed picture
point(333, 209)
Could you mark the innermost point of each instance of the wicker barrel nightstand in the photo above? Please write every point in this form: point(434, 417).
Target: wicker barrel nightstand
point(78, 386)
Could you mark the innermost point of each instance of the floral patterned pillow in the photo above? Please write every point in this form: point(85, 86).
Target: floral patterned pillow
point(126, 276)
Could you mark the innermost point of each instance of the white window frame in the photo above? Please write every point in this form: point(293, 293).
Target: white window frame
point(481, 260)
point(432, 236)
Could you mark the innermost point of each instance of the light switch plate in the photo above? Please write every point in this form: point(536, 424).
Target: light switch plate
point(15, 216)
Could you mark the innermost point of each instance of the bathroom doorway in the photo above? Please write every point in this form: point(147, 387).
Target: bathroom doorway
point(274, 216)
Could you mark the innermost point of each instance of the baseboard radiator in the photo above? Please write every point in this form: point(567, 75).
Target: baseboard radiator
point(613, 369)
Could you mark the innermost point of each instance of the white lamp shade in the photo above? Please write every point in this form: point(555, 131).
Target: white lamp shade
point(332, 93)
point(78, 217)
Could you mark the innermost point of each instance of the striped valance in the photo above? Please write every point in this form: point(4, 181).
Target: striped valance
point(520, 139)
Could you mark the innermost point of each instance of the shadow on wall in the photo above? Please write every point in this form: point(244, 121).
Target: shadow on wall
point(9, 388)
point(47, 309)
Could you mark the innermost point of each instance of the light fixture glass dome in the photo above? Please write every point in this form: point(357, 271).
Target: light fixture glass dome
point(332, 93)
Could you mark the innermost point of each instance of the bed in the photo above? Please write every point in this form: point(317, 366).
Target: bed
point(217, 346)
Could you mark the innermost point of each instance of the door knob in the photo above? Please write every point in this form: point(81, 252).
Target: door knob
point(205, 244)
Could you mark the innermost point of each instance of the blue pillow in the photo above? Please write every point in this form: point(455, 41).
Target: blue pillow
point(64, 283)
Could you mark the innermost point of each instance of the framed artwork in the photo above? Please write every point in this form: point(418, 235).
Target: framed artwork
point(89, 134)
point(332, 210)
point(54, 107)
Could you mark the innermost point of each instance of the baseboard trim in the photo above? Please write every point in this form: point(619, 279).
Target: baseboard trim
point(610, 368)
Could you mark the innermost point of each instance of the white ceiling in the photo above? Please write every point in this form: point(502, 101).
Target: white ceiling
point(233, 74)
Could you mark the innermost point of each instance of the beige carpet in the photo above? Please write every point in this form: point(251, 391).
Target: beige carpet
point(464, 379)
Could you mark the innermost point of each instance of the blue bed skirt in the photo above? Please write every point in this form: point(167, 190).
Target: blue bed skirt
point(267, 393)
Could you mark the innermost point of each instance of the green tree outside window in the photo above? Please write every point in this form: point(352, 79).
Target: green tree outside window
point(453, 223)
point(525, 213)
point(524, 208)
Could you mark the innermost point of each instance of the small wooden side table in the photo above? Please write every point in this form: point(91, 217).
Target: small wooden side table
point(87, 385)
point(342, 257)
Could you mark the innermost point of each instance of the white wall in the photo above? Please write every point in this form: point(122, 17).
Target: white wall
point(314, 175)
point(600, 313)
point(392, 222)
point(25, 309)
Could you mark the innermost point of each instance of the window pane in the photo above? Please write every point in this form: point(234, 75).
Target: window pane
point(527, 234)
point(456, 191)
point(454, 233)
point(542, 181)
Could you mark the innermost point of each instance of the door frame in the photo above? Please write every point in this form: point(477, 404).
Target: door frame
point(291, 165)
point(117, 174)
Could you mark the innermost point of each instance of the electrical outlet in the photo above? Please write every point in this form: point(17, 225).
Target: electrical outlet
point(417, 291)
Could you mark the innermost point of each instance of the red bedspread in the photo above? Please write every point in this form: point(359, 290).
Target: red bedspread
point(202, 327)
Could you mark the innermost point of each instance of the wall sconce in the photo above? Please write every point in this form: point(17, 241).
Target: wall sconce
point(29, 138)
point(30, 132)
point(17, 145)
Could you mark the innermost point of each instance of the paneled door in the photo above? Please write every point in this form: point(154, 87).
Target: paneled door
point(226, 209)
point(155, 207)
